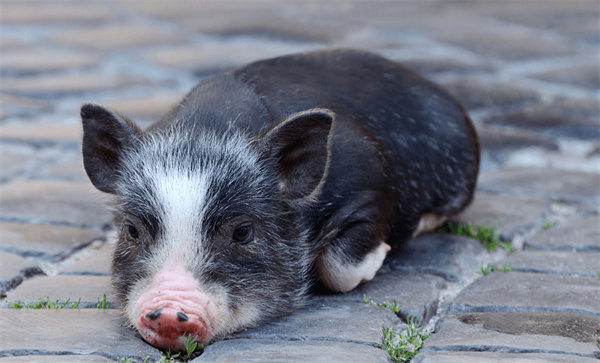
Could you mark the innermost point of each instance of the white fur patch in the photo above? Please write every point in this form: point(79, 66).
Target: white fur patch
point(342, 277)
point(429, 222)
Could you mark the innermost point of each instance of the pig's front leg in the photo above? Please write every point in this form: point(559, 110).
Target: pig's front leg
point(341, 274)
point(355, 243)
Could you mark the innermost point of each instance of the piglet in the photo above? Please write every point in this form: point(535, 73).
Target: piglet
point(265, 180)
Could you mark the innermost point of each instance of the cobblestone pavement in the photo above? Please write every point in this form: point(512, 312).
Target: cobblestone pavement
point(527, 71)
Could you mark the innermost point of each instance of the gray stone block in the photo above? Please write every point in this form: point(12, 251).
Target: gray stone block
point(53, 202)
point(253, 350)
point(63, 287)
point(343, 321)
point(555, 262)
point(13, 270)
point(582, 235)
point(448, 256)
point(559, 185)
point(512, 214)
point(42, 358)
point(97, 261)
point(530, 292)
point(50, 243)
point(417, 293)
point(495, 357)
point(453, 335)
point(25, 332)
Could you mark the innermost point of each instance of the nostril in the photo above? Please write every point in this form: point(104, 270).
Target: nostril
point(154, 314)
point(181, 317)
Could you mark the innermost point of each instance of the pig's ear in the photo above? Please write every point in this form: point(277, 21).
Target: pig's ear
point(105, 137)
point(301, 146)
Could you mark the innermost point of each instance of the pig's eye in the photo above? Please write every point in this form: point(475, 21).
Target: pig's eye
point(243, 234)
point(132, 232)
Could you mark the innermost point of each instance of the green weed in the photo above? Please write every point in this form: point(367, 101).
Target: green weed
point(487, 235)
point(191, 345)
point(547, 225)
point(489, 268)
point(103, 304)
point(402, 347)
point(395, 307)
point(43, 304)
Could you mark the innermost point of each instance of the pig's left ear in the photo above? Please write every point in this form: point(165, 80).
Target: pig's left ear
point(301, 146)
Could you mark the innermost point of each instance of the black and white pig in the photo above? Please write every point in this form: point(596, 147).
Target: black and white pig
point(266, 179)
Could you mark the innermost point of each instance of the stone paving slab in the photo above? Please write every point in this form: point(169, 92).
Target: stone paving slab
point(328, 321)
point(46, 242)
point(81, 331)
point(530, 292)
point(92, 358)
point(448, 256)
point(58, 202)
point(512, 214)
point(555, 262)
point(416, 293)
point(559, 185)
point(90, 289)
point(95, 262)
point(582, 235)
point(242, 350)
point(452, 334)
point(13, 271)
point(495, 357)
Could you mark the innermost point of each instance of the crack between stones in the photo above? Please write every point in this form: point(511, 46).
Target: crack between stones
point(53, 222)
point(553, 272)
point(502, 349)
point(51, 257)
point(466, 308)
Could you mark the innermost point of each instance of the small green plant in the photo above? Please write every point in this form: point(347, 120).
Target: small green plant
point(547, 225)
point(395, 307)
point(167, 356)
point(402, 347)
point(489, 268)
point(485, 270)
point(103, 304)
point(43, 304)
point(487, 235)
point(598, 273)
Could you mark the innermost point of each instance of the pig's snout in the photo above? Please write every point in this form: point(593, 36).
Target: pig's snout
point(173, 309)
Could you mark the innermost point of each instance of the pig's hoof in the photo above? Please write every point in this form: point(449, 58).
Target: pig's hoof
point(342, 276)
point(166, 327)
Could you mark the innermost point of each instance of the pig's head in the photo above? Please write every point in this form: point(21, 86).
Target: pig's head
point(211, 234)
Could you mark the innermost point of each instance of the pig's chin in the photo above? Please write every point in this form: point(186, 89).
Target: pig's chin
point(174, 309)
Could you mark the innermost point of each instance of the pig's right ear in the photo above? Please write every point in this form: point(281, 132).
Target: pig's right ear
point(301, 146)
point(105, 137)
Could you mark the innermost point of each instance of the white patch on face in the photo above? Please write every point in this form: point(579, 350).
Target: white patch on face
point(182, 200)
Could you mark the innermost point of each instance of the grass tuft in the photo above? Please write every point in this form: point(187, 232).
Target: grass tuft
point(402, 347)
point(487, 235)
point(395, 307)
point(489, 268)
point(44, 304)
point(103, 304)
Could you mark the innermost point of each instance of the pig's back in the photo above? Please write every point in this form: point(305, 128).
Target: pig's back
point(396, 133)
